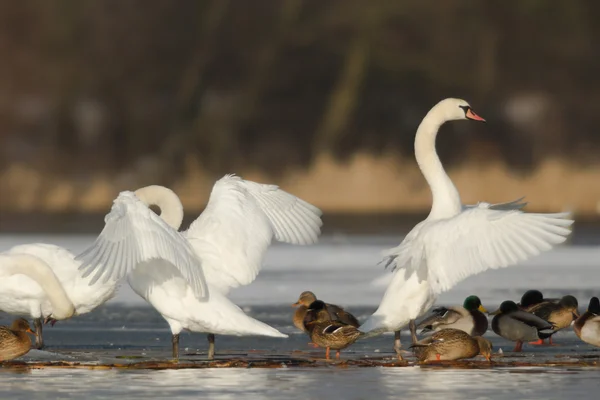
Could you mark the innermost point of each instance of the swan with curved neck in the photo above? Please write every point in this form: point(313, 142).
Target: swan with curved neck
point(42, 274)
point(19, 295)
point(171, 209)
point(454, 241)
point(229, 238)
point(446, 200)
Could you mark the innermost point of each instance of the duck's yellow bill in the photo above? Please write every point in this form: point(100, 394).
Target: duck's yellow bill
point(482, 308)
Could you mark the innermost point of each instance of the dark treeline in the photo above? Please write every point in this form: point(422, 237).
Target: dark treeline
point(89, 85)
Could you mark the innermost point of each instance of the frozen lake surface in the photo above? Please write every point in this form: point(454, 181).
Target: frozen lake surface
point(342, 270)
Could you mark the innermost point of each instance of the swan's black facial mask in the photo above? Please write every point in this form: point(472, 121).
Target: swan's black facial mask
point(469, 114)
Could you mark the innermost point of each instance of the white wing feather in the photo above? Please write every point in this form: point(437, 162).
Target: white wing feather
point(481, 237)
point(132, 234)
point(241, 218)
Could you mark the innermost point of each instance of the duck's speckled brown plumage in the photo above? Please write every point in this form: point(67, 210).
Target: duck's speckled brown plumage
point(327, 333)
point(14, 341)
point(336, 313)
point(560, 314)
point(451, 344)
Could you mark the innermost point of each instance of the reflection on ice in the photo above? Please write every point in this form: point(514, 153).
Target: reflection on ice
point(375, 383)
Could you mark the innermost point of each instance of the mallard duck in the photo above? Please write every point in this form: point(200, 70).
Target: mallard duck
point(14, 341)
point(520, 326)
point(468, 318)
point(452, 344)
point(327, 333)
point(529, 299)
point(336, 313)
point(560, 314)
point(587, 326)
point(532, 298)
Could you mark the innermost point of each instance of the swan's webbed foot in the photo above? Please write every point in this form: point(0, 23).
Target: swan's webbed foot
point(175, 340)
point(398, 345)
point(39, 339)
point(211, 346)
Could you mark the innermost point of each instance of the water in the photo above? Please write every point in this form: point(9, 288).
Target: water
point(340, 270)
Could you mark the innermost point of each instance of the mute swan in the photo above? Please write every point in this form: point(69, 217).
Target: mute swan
point(454, 241)
point(23, 293)
point(29, 286)
point(230, 238)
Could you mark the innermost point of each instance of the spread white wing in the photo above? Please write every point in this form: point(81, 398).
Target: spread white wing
point(241, 218)
point(132, 234)
point(484, 236)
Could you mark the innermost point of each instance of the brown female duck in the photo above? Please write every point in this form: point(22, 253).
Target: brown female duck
point(14, 341)
point(452, 344)
point(560, 314)
point(336, 313)
point(327, 333)
point(587, 326)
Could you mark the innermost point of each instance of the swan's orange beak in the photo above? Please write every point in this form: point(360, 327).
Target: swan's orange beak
point(472, 116)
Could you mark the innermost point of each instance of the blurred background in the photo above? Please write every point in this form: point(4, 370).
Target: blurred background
point(320, 97)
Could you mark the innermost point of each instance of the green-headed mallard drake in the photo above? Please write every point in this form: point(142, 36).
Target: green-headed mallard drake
point(587, 326)
point(327, 333)
point(560, 314)
point(14, 341)
point(468, 318)
point(452, 344)
point(520, 326)
point(336, 313)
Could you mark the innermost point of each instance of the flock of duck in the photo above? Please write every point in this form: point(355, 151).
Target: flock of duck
point(187, 275)
point(454, 333)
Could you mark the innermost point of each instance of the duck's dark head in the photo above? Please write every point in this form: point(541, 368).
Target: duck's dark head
point(531, 297)
point(569, 301)
point(318, 310)
point(473, 303)
point(594, 306)
point(508, 306)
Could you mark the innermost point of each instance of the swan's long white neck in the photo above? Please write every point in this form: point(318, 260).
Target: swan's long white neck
point(446, 200)
point(171, 209)
point(39, 271)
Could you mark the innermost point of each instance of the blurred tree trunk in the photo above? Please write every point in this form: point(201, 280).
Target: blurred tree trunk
point(346, 91)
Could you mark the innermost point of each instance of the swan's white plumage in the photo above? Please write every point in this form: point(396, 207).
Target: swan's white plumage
point(22, 295)
point(455, 241)
point(230, 239)
point(233, 233)
point(481, 237)
point(133, 234)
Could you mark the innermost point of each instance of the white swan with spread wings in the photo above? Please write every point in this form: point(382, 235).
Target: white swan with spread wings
point(229, 239)
point(455, 241)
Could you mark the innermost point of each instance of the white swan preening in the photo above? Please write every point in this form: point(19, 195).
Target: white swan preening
point(230, 239)
point(455, 241)
point(41, 281)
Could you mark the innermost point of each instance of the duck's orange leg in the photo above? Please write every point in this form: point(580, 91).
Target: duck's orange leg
point(538, 342)
point(550, 341)
point(438, 357)
point(327, 353)
point(311, 344)
point(518, 347)
point(337, 355)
